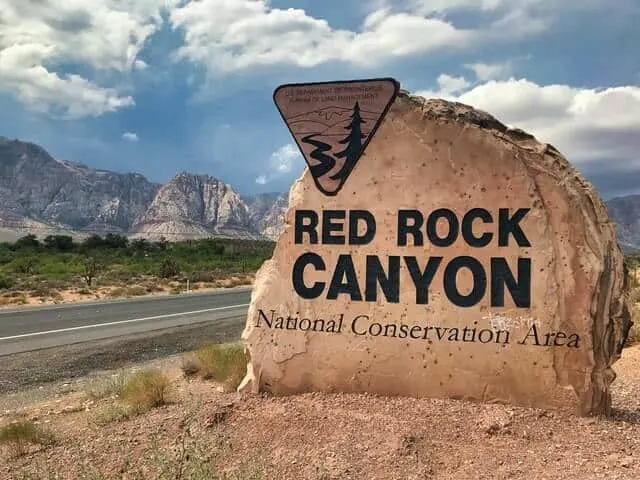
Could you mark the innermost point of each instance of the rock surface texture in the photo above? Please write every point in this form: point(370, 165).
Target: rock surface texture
point(426, 155)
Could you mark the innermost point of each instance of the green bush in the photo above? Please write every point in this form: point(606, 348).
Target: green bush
point(146, 390)
point(224, 363)
point(6, 283)
point(25, 265)
point(19, 435)
point(169, 268)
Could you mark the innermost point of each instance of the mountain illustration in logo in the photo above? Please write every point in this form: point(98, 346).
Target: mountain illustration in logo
point(332, 124)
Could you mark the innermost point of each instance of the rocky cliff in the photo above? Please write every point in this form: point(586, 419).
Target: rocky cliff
point(196, 205)
point(266, 212)
point(42, 195)
point(60, 194)
point(625, 212)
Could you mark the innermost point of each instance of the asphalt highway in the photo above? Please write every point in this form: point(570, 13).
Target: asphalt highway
point(33, 328)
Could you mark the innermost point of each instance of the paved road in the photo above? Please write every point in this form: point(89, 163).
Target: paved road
point(34, 328)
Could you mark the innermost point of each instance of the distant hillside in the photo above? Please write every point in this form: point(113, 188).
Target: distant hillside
point(625, 212)
point(42, 195)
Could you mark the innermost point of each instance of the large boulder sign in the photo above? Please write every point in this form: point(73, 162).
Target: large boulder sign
point(431, 251)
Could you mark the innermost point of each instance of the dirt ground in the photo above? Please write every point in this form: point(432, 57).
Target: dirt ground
point(323, 437)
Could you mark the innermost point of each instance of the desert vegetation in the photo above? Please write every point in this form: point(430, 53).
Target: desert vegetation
point(20, 435)
point(223, 363)
point(136, 398)
point(59, 267)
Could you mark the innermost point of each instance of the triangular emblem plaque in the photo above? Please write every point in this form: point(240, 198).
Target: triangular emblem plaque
point(333, 122)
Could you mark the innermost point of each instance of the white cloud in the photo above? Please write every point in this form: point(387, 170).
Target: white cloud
point(226, 36)
point(589, 126)
point(450, 85)
point(37, 36)
point(438, 6)
point(130, 136)
point(281, 162)
point(486, 71)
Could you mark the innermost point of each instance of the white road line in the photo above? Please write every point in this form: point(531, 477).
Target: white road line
point(120, 322)
point(121, 301)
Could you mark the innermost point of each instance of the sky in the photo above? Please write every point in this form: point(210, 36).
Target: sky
point(164, 86)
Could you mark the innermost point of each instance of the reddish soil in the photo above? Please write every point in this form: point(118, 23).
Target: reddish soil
point(323, 437)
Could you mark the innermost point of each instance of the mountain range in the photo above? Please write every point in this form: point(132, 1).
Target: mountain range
point(42, 195)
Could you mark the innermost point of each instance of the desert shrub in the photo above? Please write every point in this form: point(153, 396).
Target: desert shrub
point(204, 276)
point(146, 390)
point(133, 291)
point(136, 291)
point(19, 435)
point(6, 283)
point(20, 299)
point(13, 294)
point(6, 255)
point(110, 387)
point(25, 265)
point(117, 292)
point(224, 363)
point(112, 240)
point(111, 414)
point(43, 290)
point(27, 242)
point(169, 268)
point(152, 287)
point(59, 242)
point(91, 269)
point(635, 296)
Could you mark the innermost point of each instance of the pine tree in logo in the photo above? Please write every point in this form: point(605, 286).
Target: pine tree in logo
point(353, 140)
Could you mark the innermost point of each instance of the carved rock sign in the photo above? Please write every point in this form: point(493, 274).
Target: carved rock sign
point(444, 255)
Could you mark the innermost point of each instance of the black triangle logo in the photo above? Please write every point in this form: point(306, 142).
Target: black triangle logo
point(333, 122)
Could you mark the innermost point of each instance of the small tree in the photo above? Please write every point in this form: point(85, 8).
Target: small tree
point(113, 240)
point(140, 245)
point(169, 268)
point(91, 270)
point(162, 244)
point(62, 243)
point(28, 241)
point(93, 242)
point(26, 266)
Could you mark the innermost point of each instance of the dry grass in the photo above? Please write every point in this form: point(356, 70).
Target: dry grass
point(224, 363)
point(113, 413)
point(634, 334)
point(146, 390)
point(18, 436)
point(13, 298)
point(110, 387)
point(132, 291)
